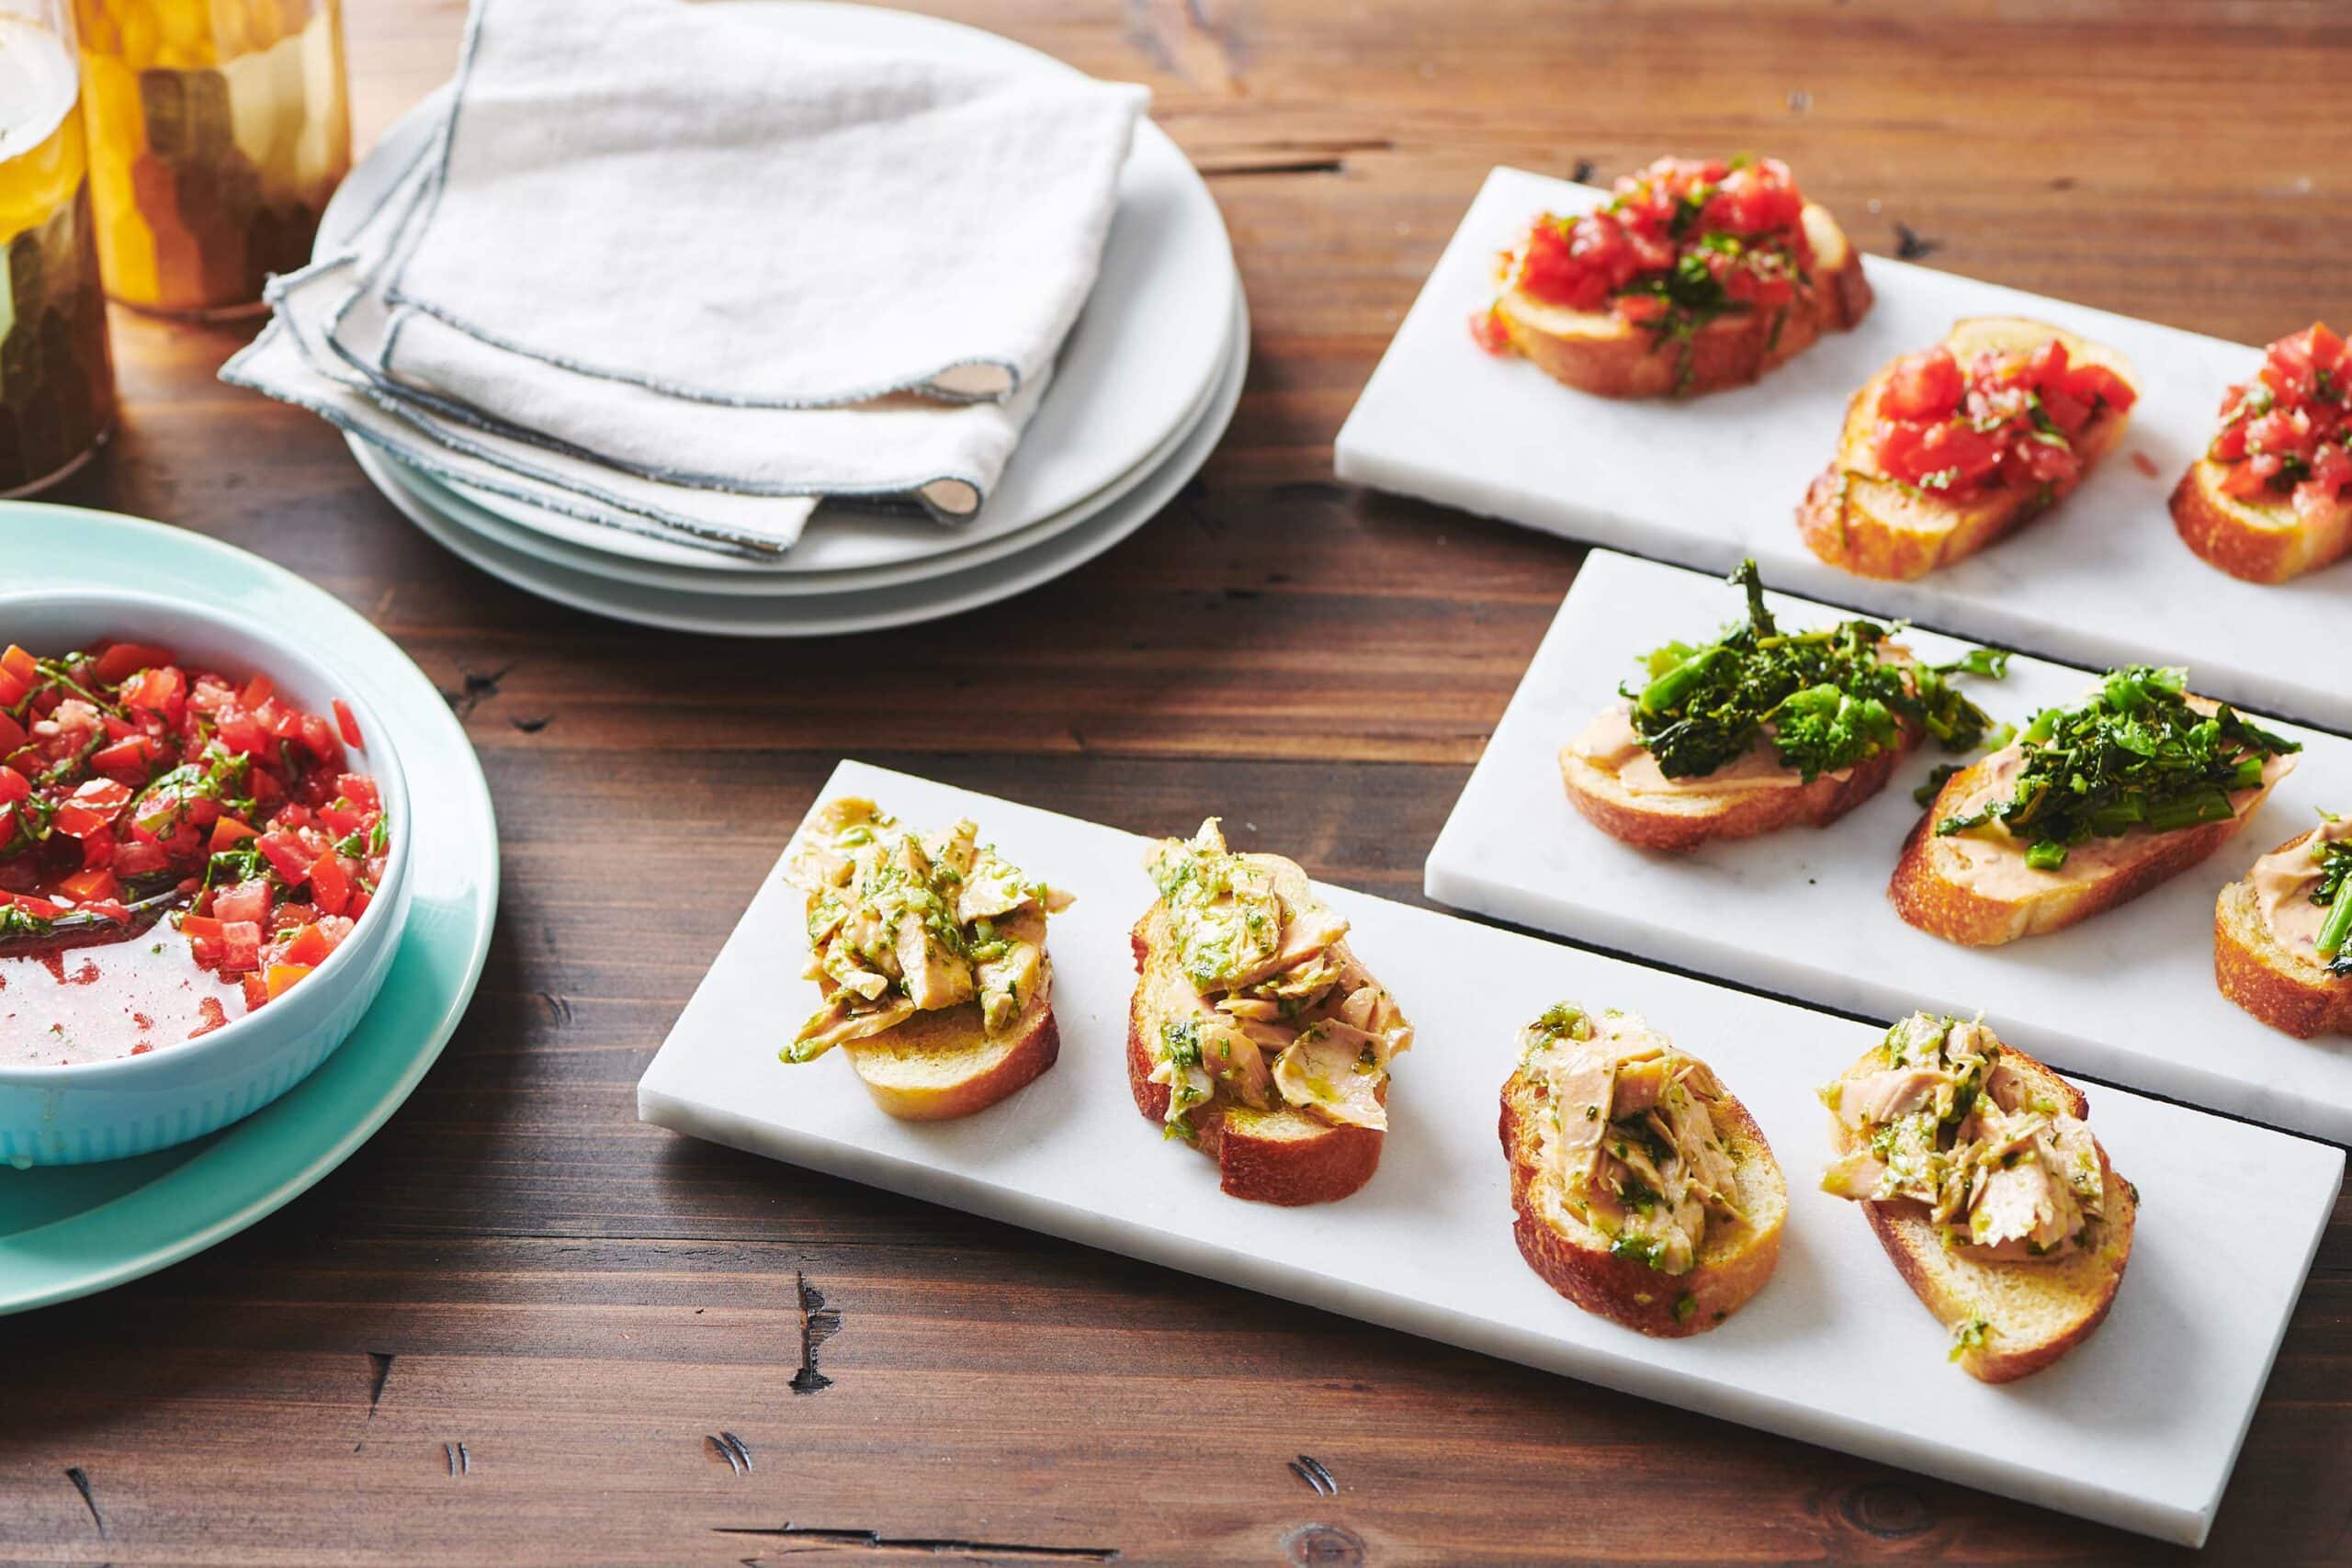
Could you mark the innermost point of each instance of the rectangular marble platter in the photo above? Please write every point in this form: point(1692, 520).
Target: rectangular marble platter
point(2138, 1428)
point(2102, 579)
point(2127, 998)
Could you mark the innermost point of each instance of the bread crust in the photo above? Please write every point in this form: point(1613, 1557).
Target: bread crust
point(2259, 973)
point(1597, 352)
point(1927, 894)
point(2257, 543)
point(1859, 521)
point(1942, 1278)
point(1677, 823)
point(894, 1065)
point(1282, 1156)
point(1624, 1289)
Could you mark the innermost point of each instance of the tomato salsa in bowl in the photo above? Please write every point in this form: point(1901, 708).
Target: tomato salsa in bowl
point(203, 843)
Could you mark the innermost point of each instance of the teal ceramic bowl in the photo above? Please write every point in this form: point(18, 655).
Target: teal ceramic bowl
point(71, 1113)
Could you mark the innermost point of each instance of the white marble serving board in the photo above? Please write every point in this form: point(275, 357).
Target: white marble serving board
point(2138, 1429)
point(2128, 996)
point(2102, 579)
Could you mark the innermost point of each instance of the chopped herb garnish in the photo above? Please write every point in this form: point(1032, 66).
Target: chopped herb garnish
point(1644, 1249)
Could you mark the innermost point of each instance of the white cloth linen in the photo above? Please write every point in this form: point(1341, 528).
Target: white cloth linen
point(688, 274)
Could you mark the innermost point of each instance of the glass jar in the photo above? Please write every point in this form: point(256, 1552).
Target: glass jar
point(218, 131)
point(56, 378)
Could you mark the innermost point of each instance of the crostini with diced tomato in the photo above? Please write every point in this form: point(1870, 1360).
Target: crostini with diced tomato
point(2271, 498)
point(1696, 275)
point(1948, 451)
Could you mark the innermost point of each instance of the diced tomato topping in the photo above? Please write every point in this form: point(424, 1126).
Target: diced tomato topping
point(330, 883)
point(89, 885)
point(242, 901)
point(128, 756)
point(240, 945)
point(319, 737)
point(286, 856)
point(1742, 220)
point(90, 807)
point(1487, 330)
point(140, 858)
point(2286, 436)
point(120, 762)
point(309, 947)
point(121, 661)
point(1923, 386)
point(1957, 430)
point(162, 692)
point(282, 976)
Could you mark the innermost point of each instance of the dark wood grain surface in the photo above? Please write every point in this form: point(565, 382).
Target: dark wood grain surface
point(518, 1328)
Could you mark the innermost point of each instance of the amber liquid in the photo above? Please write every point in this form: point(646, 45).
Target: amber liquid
point(56, 380)
point(218, 130)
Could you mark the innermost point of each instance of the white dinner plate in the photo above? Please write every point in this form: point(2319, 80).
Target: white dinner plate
point(1140, 362)
point(829, 616)
point(456, 503)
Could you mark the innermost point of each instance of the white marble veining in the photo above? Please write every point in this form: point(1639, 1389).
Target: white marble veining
point(2101, 579)
point(2128, 996)
point(2139, 1428)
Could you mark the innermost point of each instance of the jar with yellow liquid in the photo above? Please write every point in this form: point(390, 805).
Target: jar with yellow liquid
point(56, 378)
point(218, 131)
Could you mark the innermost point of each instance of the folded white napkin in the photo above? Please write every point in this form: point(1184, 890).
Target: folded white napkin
point(688, 273)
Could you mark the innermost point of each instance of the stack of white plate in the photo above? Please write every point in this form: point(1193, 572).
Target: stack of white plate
point(1141, 395)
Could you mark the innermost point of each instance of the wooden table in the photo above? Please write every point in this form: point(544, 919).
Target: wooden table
point(518, 1326)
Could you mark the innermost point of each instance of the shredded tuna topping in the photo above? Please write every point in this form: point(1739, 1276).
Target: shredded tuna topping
point(1942, 1117)
point(1283, 1015)
point(1630, 1134)
point(899, 923)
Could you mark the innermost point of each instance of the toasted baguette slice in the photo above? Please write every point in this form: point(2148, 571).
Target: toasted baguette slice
point(1599, 352)
point(2260, 544)
point(1856, 518)
point(1282, 1156)
point(942, 1064)
point(2033, 1312)
point(1686, 819)
point(1932, 888)
point(2271, 980)
point(1734, 1261)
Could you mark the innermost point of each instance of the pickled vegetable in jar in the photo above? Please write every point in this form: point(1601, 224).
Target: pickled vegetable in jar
point(218, 131)
point(56, 378)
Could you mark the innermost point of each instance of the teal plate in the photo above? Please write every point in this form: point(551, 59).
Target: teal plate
point(68, 1231)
